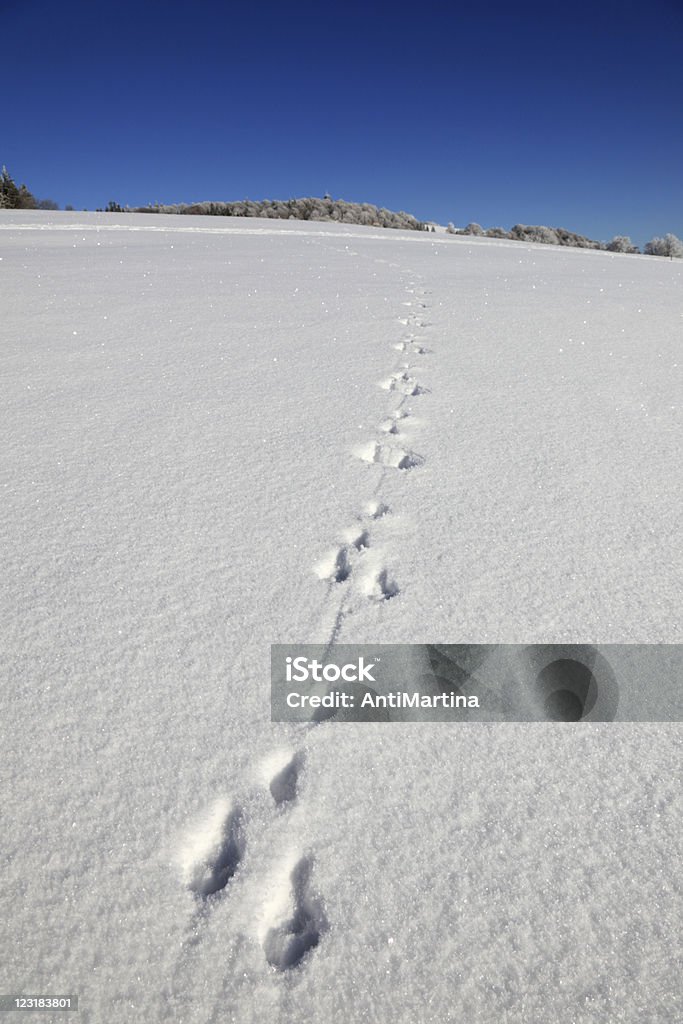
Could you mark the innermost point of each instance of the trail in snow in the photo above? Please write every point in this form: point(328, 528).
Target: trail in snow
point(359, 564)
point(294, 922)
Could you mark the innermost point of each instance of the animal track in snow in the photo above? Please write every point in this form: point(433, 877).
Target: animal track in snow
point(412, 347)
point(336, 566)
point(213, 850)
point(341, 570)
point(369, 577)
point(377, 509)
point(402, 382)
point(396, 458)
point(381, 586)
point(284, 769)
point(359, 541)
point(389, 426)
point(412, 321)
point(294, 921)
point(418, 350)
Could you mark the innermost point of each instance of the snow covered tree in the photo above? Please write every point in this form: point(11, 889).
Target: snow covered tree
point(670, 246)
point(535, 233)
point(306, 208)
point(621, 243)
point(472, 229)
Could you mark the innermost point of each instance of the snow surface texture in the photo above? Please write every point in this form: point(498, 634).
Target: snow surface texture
point(218, 437)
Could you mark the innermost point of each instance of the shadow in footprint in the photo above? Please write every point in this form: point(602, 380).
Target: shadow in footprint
point(342, 566)
point(362, 541)
point(286, 945)
point(213, 872)
point(409, 460)
point(387, 586)
point(284, 786)
point(389, 426)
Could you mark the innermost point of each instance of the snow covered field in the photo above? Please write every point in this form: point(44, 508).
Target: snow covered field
point(220, 434)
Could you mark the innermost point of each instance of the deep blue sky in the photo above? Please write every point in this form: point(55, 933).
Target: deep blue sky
point(556, 113)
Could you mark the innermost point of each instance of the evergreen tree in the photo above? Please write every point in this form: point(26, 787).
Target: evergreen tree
point(9, 193)
point(13, 197)
point(26, 200)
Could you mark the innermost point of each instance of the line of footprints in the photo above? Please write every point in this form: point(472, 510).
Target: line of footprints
point(292, 919)
point(350, 557)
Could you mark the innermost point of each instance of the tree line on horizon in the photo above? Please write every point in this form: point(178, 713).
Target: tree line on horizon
point(19, 197)
point(669, 245)
point(305, 208)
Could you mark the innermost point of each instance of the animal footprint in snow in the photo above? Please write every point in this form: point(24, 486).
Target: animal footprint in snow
point(413, 347)
point(389, 426)
point(382, 587)
point(213, 850)
point(358, 541)
point(397, 458)
point(282, 772)
point(294, 920)
point(377, 509)
point(402, 382)
point(336, 566)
